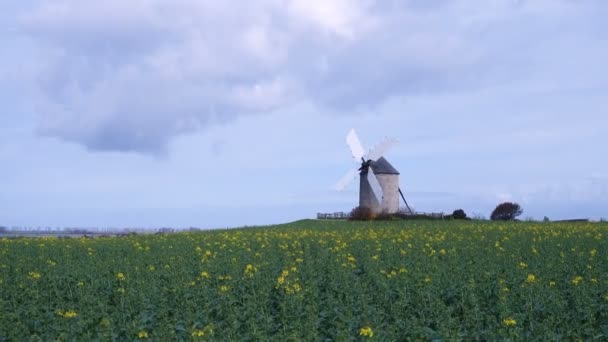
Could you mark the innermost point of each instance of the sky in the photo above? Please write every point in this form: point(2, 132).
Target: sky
point(211, 114)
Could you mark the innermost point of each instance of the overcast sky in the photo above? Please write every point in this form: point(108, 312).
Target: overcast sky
point(183, 113)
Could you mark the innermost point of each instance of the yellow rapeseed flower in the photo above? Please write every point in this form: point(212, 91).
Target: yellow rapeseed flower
point(142, 334)
point(577, 280)
point(204, 274)
point(198, 333)
point(552, 283)
point(34, 275)
point(509, 321)
point(366, 331)
point(120, 276)
point(70, 314)
point(531, 278)
point(523, 265)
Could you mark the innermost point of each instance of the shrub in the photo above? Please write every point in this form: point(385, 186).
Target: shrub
point(361, 214)
point(459, 214)
point(506, 211)
point(385, 216)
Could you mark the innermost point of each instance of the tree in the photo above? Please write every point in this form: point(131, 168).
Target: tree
point(459, 214)
point(506, 211)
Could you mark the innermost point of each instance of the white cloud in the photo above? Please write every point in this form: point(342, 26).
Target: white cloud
point(132, 75)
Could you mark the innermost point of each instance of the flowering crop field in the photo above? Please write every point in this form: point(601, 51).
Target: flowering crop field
point(312, 280)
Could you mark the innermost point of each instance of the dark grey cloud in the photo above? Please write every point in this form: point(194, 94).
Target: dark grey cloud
point(130, 76)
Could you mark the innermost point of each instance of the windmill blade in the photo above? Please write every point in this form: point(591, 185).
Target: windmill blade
point(380, 149)
point(373, 182)
point(355, 145)
point(344, 181)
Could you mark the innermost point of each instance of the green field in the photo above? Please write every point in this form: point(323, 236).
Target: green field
point(313, 280)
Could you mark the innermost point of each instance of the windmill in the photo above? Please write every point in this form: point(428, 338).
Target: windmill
point(379, 180)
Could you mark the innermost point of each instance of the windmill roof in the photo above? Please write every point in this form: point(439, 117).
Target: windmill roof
point(383, 167)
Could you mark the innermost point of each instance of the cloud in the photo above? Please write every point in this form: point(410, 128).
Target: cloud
point(130, 76)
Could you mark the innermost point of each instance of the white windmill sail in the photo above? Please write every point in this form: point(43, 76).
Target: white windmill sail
point(344, 181)
point(380, 149)
point(374, 184)
point(354, 143)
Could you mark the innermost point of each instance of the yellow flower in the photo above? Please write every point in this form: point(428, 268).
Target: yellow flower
point(151, 268)
point(224, 288)
point(81, 283)
point(577, 280)
point(427, 279)
point(204, 274)
point(34, 275)
point(509, 321)
point(593, 252)
point(142, 334)
point(105, 322)
point(67, 314)
point(198, 333)
point(442, 251)
point(120, 276)
point(551, 283)
point(375, 257)
point(366, 331)
point(207, 330)
point(531, 278)
point(523, 265)
point(70, 314)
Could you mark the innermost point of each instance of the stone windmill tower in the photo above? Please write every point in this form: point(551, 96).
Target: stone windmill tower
point(379, 180)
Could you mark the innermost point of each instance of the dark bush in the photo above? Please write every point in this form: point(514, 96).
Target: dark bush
point(361, 214)
point(385, 216)
point(506, 211)
point(459, 214)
